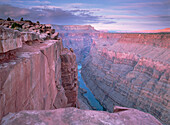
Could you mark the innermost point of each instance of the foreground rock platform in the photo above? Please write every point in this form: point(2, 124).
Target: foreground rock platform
point(74, 116)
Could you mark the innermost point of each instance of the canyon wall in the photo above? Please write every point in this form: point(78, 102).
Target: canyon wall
point(78, 38)
point(131, 70)
point(32, 73)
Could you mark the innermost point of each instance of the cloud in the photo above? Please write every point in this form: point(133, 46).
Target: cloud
point(38, 1)
point(26, 1)
point(123, 14)
point(50, 14)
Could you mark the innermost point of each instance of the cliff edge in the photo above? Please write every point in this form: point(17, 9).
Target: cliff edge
point(33, 72)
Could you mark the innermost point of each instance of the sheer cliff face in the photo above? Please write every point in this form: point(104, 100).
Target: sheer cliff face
point(31, 76)
point(131, 70)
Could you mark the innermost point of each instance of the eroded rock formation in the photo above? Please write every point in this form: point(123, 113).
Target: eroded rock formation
point(131, 70)
point(73, 116)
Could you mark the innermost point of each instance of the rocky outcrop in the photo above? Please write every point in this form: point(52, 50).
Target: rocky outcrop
point(73, 116)
point(32, 79)
point(132, 74)
point(44, 31)
point(69, 76)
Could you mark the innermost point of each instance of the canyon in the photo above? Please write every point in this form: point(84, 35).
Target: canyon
point(131, 70)
point(39, 74)
point(125, 69)
point(78, 37)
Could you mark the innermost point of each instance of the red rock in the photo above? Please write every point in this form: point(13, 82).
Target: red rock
point(131, 70)
point(55, 36)
point(9, 39)
point(69, 76)
point(61, 99)
point(67, 116)
point(31, 79)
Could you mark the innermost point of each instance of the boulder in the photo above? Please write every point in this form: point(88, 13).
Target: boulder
point(44, 36)
point(55, 36)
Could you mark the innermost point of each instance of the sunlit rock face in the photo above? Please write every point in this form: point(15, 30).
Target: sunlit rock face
point(28, 80)
point(131, 70)
point(31, 76)
point(73, 116)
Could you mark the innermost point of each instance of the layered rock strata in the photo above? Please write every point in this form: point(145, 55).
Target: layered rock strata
point(73, 116)
point(154, 39)
point(77, 37)
point(133, 74)
point(32, 78)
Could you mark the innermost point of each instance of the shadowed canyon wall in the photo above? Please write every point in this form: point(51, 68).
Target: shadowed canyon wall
point(131, 70)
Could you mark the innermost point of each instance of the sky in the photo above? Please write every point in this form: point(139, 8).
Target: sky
point(112, 15)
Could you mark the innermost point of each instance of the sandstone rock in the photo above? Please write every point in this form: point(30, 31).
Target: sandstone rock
point(28, 81)
point(71, 50)
point(69, 76)
point(44, 36)
point(48, 25)
point(52, 31)
point(55, 36)
point(9, 39)
point(30, 36)
point(73, 116)
point(48, 32)
point(61, 99)
point(31, 76)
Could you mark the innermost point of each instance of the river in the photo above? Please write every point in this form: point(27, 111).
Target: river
point(88, 95)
